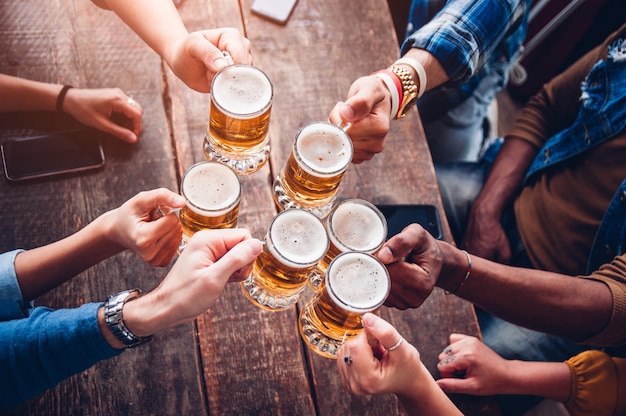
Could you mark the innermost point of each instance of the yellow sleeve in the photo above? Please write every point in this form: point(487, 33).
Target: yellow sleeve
point(598, 385)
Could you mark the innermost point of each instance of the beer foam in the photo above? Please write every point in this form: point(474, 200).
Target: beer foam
point(242, 90)
point(357, 282)
point(211, 188)
point(298, 238)
point(324, 149)
point(357, 225)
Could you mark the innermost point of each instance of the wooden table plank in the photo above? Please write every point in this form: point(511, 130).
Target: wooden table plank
point(312, 61)
point(74, 42)
point(252, 358)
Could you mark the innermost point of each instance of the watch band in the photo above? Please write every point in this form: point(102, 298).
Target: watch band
point(409, 90)
point(114, 319)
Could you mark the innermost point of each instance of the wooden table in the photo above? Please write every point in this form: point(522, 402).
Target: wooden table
point(236, 359)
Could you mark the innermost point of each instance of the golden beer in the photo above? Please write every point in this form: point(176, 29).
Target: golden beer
point(353, 225)
point(213, 193)
point(356, 283)
point(311, 177)
point(239, 118)
point(295, 242)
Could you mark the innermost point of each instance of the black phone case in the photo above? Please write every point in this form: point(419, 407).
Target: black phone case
point(51, 154)
point(399, 216)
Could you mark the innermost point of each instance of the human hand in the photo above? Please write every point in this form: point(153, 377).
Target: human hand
point(209, 261)
point(414, 261)
point(468, 366)
point(372, 368)
point(367, 109)
point(199, 56)
point(95, 108)
point(133, 226)
point(485, 237)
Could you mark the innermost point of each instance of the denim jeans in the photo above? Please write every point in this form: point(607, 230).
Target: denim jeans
point(460, 183)
point(461, 133)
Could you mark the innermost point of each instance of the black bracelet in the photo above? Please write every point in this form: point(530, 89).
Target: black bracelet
point(61, 97)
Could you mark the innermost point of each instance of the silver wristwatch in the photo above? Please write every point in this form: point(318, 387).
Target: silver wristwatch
point(114, 320)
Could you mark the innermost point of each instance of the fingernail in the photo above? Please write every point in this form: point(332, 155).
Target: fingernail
point(220, 63)
point(369, 320)
point(179, 200)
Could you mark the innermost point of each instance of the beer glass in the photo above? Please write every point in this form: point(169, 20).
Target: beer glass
point(355, 283)
point(239, 118)
point(295, 241)
point(353, 225)
point(310, 179)
point(213, 193)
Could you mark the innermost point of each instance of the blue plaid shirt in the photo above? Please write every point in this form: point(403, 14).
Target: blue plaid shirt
point(467, 37)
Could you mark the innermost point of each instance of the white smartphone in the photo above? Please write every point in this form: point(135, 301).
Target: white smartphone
point(277, 11)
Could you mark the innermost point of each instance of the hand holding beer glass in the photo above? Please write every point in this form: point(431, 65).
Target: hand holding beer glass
point(353, 225)
point(213, 193)
point(296, 240)
point(355, 283)
point(239, 118)
point(310, 179)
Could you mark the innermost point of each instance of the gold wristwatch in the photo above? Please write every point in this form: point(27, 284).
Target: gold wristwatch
point(409, 90)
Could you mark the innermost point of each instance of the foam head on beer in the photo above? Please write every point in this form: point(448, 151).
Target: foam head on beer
point(357, 225)
point(324, 149)
point(357, 282)
point(297, 238)
point(211, 188)
point(242, 90)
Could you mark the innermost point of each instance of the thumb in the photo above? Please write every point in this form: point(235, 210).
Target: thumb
point(458, 337)
point(237, 260)
point(161, 198)
point(204, 51)
point(453, 385)
point(381, 330)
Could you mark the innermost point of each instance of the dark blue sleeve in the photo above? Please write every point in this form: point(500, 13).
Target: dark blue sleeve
point(39, 351)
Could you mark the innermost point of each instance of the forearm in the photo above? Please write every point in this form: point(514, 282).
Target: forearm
point(25, 95)
point(551, 380)
point(506, 176)
point(43, 268)
point(156, 22)
point(38, 352)
point(536, 299)
point(426, 397)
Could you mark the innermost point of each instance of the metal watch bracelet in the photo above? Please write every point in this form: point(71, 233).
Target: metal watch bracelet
point(114, 319)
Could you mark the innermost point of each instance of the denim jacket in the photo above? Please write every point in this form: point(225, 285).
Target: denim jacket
point(602, 116)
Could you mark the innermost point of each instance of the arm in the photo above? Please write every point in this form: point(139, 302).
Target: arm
point(92, 107)
point(452, 47)
point(195, 57)
point(485, 373)
point(375, 370)
point(571, 307)
point(127, 227)
point(39, 351)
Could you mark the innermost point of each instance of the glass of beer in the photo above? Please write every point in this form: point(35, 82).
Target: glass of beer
point(310, 179)
point(213, 193)
point(353, 225)
point(355, 283)
point(295, 241)
point(239, 118)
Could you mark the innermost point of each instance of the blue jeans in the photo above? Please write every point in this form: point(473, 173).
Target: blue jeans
point(460, 183)
point(461, 133)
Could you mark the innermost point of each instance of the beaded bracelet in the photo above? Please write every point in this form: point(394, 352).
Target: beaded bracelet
point(467, 274)
point(61, 97)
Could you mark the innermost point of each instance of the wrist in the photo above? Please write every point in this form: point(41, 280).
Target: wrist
point(127, 331)
point(456, 268)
